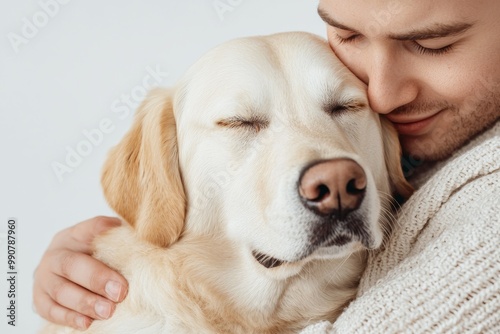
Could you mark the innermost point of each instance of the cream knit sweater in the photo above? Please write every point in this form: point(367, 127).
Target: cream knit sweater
point(440, 271)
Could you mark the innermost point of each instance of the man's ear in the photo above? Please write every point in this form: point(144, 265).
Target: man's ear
point(392, 155)
point(141, 177)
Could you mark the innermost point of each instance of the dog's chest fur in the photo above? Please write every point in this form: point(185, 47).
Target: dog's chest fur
point(171, 292)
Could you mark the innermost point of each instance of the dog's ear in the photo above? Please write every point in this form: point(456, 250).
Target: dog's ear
point(141, 177)
point(392, 155)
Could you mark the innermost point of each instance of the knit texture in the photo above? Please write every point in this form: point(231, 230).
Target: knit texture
point(440, 270)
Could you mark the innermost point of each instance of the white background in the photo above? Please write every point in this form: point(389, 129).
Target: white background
point(65, 77)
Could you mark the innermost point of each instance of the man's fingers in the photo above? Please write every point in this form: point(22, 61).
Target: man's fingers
point(58, 314)
point(74, 297)
point(71, 287)
point(79, 237)
point(86, 231)
point(90, 273)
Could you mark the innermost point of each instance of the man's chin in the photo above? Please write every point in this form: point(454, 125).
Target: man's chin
point(421, 150)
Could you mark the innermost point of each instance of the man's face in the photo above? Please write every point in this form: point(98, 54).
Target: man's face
point(432, 67)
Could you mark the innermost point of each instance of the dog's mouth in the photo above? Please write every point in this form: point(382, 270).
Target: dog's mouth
point(340, 240)
point(270, 262)
point(266, 260)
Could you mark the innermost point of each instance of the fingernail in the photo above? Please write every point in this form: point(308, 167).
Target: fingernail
point(81, 322)
point(113, 290)
point(102, 309)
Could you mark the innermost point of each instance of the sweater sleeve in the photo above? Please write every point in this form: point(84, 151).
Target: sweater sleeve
point(449, 281)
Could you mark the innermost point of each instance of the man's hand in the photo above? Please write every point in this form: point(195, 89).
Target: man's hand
point(70, 287)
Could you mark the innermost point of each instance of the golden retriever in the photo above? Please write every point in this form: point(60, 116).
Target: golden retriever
point(252, 191)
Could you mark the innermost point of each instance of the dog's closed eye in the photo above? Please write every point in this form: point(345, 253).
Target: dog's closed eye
point(335, 107)
point(253, 123)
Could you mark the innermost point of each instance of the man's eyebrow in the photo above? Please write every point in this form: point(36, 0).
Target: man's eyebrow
point(435, 31)
point(331, 22)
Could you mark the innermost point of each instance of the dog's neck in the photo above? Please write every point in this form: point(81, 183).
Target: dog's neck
point(210, 278)
point(252, 294)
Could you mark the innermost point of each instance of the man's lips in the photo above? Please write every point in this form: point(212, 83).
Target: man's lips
point(412, 127)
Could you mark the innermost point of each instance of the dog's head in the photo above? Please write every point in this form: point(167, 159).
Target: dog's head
point(277, 148)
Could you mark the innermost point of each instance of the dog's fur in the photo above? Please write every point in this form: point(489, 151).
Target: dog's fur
point(208, 174)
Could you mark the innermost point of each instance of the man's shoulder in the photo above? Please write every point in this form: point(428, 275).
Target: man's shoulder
point(456, 191)
point(471, 209)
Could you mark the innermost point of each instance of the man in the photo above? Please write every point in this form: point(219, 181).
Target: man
point(433, 69)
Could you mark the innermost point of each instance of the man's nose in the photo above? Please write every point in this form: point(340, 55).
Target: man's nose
point(390, 82)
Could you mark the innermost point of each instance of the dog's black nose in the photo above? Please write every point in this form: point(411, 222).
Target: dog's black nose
point(333, 187)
